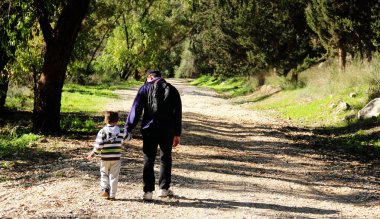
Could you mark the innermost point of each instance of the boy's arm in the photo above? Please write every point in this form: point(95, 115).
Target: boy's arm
point(98, 144)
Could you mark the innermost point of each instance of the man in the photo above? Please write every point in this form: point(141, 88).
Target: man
point(164, 131)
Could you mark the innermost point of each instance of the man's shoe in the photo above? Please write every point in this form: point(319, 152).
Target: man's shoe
point(112, 198)
point(166, 193)
point(148, 196)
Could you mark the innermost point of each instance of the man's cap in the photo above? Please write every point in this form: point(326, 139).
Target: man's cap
point(157, 73)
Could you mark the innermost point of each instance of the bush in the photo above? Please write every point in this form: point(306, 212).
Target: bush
point(10, 145)
point(75, 123)
point(186, 69)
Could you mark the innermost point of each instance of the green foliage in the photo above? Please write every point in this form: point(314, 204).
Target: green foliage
point(186, 68)
point(19, 97)
point(231, 87)
point(29, 60)
point(244, 38)
point(283, 82)
point(306, 64)
point(146, 37)
point(14, 145)
point(346, 25)
point(75, 123)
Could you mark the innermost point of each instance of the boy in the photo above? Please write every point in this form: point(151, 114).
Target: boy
point(108, 145)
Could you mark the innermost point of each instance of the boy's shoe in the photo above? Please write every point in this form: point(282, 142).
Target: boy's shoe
point(148, 196)
point(166, 193)
point(111, 198)
point(105, 194)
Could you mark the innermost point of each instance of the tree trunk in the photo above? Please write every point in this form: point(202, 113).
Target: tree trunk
point(4, 79)
point(59, 45)
point(342, 53)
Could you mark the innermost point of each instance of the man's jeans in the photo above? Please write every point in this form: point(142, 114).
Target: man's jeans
point(150, 144)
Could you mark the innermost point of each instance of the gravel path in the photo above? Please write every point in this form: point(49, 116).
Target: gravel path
point(232, 163)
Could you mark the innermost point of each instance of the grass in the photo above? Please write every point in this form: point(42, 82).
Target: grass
point(14, 146)
point(75, 123)
point(231, 87)
point(80, 107)
point(313, 101)
point(75, 98)
point(90, 98)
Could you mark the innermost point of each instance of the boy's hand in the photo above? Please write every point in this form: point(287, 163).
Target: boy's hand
point(126, 149)
point(90, 156)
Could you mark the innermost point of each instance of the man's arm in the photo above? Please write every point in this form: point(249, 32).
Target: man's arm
point(177, 115)
point(136, 111)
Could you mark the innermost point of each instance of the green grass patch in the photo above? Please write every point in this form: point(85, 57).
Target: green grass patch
point(308, 108)
point(360, 137)
point(75, 97)
point(75, 123)
point(13, 146)
point(231, 87)
point(90, 98)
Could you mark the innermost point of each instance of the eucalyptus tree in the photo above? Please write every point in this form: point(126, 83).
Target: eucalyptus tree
point(60, 22)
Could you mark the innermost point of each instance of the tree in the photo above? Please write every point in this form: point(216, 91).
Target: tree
point(246, 37)
point(146, 36)
point(60, 41)
point(103, 16)
point(344, 26)
point(15, 21)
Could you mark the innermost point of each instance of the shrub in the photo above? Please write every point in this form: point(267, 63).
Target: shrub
point(11, 145)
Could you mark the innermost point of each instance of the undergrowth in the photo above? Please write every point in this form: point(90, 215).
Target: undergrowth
point(313, 101)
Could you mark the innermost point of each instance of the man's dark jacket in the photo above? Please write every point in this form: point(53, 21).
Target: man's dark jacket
point(148, 124)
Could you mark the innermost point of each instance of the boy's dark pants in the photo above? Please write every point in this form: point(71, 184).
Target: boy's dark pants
point(150, 144)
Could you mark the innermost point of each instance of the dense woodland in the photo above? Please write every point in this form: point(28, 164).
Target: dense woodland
point(44, 43)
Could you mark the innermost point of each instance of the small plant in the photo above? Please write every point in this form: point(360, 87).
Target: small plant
point(75, 123)
point(11, 146)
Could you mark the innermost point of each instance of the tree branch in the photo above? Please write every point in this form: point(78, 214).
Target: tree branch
point(44, 21)
point(146, 10)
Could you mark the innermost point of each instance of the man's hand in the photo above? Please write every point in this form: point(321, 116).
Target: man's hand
point(176, 141)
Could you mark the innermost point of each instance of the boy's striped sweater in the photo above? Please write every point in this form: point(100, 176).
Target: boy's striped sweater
point(108, 143)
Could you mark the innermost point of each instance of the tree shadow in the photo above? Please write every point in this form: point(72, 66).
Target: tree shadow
point(181, 201)
point(225, 142)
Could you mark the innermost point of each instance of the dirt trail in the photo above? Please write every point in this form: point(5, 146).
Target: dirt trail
point(232, 163)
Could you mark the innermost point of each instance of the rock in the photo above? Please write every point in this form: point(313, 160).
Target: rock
point(44, 140)
point(372, 109)
point(269, 89)
point(343, 106)
point(352, 95)
point(332, 105)
point(32, 145)
point(349, 117)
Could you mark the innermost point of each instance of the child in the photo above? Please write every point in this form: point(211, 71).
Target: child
point(108, 145)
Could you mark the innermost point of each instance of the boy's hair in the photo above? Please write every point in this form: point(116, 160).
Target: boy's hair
point(111, 117)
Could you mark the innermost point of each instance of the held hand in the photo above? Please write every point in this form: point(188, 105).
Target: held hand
point(127, 136)
point(90, 156)
point(176, 141)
